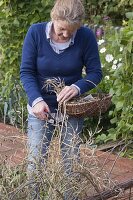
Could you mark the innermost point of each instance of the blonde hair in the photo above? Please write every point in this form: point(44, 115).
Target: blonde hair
point(71, 11)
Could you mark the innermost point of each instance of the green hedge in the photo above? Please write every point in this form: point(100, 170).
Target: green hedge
point(15, 18)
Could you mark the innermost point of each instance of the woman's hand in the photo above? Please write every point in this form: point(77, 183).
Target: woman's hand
point(40, 110)
point(67, 93)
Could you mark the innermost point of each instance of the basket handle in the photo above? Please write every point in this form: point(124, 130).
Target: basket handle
point(99, 91)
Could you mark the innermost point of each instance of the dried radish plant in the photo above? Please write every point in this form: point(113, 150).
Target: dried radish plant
point(80, 106)
point(51, 181)
point(54, 85)
point(50, 178)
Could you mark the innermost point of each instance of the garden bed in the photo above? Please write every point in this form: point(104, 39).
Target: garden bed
point(12, 145)
point(13, 153)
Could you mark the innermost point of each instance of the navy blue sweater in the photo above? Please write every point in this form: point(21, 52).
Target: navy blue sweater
point(40, 61)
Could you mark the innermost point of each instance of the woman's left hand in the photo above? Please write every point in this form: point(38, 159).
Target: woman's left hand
point(67, 93)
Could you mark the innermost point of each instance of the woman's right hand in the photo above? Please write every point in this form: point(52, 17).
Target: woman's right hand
point(40, 110)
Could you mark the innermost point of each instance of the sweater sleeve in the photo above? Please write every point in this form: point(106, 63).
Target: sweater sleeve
point(91, 62)
point(28, 69)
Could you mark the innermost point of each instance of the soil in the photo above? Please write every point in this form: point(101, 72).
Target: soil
point(12, 145)
point(120, 169)
point(13, 152)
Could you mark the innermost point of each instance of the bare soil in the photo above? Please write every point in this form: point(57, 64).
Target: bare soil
point(13, 152)
point(12, 145)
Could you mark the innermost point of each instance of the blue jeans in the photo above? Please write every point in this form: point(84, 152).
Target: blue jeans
point(40, 134)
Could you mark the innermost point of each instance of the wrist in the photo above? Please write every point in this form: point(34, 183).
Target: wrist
point(76, 88)
point(36, 101)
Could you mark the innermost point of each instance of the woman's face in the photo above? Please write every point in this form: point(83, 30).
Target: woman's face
point(63, 30)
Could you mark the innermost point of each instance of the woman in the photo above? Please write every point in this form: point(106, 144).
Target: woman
point(57, 49)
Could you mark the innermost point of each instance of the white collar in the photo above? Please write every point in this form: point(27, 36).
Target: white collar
point(48, 31)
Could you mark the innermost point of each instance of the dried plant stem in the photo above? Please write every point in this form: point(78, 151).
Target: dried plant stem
point(130, 142)
point(112, 192)
point(20, 188)
point(52, 186)
point(90, 179)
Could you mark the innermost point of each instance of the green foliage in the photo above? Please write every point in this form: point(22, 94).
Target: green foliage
point(13, 101)
point(116, 52)
point(116, 9)
point(15, 19)
point(123, 86)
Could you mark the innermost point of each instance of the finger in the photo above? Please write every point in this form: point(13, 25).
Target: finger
point(67, 96)
point(41, 114)
point(63, 93)
point(46, 109)
point(42, 117)
point(70, 97)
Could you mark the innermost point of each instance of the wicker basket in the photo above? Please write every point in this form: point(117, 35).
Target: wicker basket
point(81, 107)
point(88, 108)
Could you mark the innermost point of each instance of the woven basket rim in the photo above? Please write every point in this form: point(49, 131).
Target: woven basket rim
point(89, 107)
point(106, 95)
